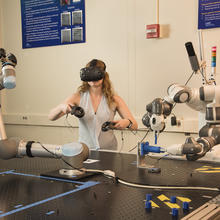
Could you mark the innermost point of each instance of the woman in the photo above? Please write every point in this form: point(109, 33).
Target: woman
point(100, 104)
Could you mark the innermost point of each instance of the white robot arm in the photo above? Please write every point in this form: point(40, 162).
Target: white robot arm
point(205, 99)
point(7, 76)
point(159, 109)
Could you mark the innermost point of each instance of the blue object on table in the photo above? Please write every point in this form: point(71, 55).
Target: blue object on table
point(174, 212)
point(146, 148)
point(148, 197)
point(173, 199)
point(148, 205)
point(185, 205)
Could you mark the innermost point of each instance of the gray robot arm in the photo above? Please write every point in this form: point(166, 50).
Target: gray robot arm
point(74, 153)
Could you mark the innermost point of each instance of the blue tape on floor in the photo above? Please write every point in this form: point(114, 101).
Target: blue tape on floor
point(50, 213)
point(17, 206)
point(6, 172)
point(43, 177)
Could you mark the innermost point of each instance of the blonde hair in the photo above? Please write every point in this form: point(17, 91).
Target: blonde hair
point(107, 87)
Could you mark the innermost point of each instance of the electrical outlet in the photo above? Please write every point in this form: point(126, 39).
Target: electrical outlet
point(24, 118)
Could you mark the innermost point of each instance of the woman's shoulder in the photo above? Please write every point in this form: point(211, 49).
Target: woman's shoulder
point(76, 95)
point(117, 99)
point(73, 99)
point(82, 94)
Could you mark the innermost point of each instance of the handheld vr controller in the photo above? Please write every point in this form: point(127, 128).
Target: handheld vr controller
point(108, 125)
point(77, 111)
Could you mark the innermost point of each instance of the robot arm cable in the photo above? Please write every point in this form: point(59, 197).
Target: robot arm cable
point(55, 156)
point(140, 141)
point(189, 78)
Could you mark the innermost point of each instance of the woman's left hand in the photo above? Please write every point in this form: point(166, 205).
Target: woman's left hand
point(121, 124)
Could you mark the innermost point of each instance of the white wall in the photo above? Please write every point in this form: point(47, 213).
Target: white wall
point(141, 69)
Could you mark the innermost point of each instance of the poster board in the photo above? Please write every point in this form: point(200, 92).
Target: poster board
point(52, 22)
point(209, 14)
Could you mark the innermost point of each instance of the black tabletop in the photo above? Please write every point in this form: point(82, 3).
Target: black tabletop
point(27, 192)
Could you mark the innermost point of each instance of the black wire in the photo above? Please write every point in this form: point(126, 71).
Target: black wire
point(202, 75)
point(205, 78)
point(157, 159)
point(55, 156)
point(140, 141)
point(133, 132)
point(185, 85)
point(189, 78)
point(122, 141)
point(68, 121)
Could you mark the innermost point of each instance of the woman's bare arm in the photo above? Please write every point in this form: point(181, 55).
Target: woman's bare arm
point(64, 107)
point(125, 114)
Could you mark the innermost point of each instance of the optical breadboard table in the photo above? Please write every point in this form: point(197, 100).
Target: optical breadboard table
point(28, 191)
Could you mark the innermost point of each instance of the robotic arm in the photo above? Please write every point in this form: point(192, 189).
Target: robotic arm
point(205, 99)
point(73, 153)
point(159, 109)
point(7, 76)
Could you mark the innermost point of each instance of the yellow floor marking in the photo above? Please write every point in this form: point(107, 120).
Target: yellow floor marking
point(172, 205)
point(211, 171)
point(163, 197)
point(153, 204)
point(215, 168)
point(209, 168)
point(183, 199)
point(199, 169)
point(166, 201)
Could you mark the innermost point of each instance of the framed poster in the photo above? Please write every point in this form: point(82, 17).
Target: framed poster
point(52, 22)
point(209, 14)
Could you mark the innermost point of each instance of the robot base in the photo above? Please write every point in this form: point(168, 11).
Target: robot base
point(68, 174)
point(142, 163)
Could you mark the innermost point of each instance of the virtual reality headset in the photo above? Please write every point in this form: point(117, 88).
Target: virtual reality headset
point(91, 73)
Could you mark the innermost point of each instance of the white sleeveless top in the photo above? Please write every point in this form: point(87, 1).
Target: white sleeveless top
point(90, 124)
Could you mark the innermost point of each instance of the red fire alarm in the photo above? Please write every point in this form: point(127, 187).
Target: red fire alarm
point(153, 31)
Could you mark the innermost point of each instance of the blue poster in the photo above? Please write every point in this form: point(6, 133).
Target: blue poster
point(52, 22)
point(209, 14)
